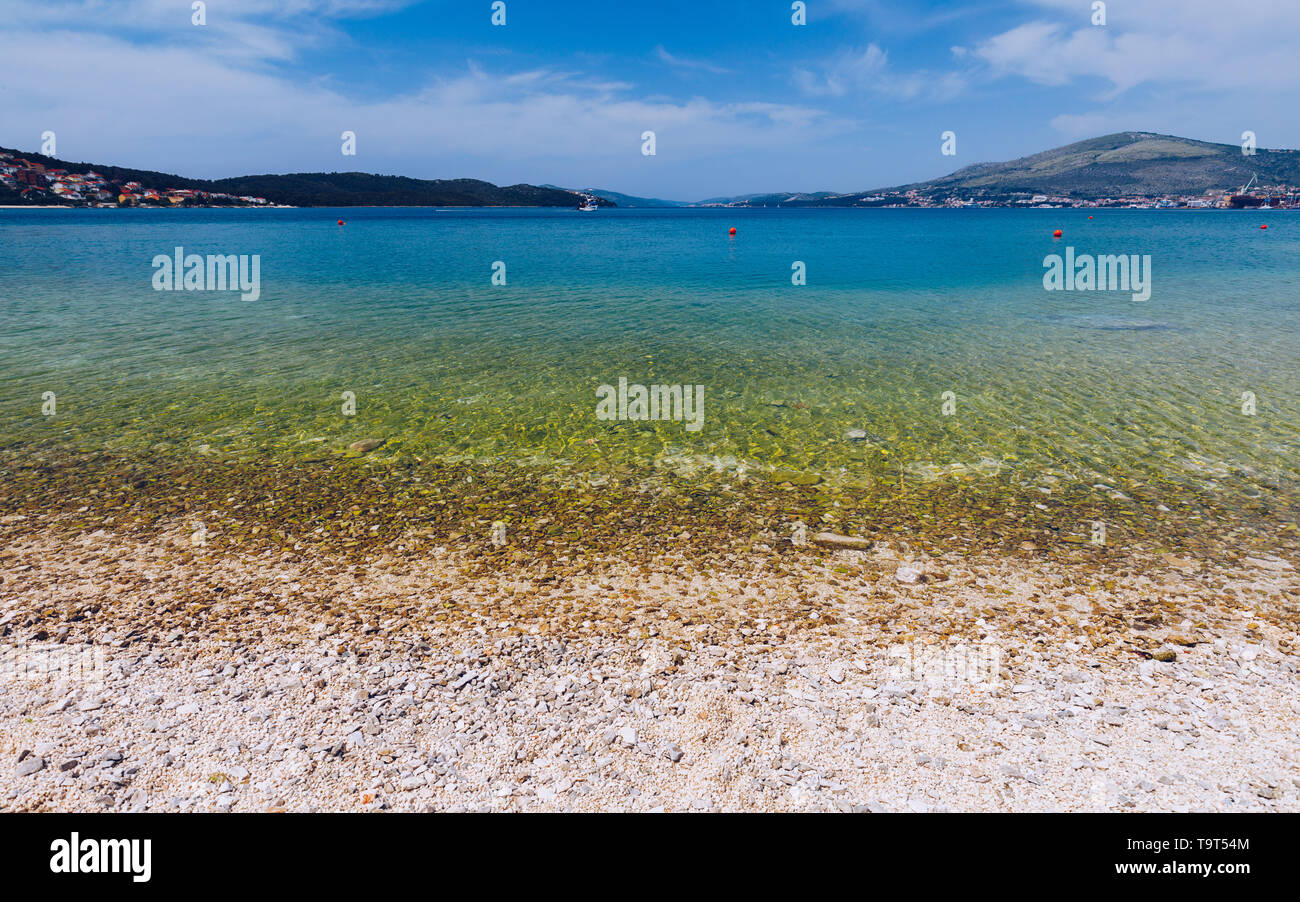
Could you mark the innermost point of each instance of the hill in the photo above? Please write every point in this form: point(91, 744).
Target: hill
point(314, 189)
point(360, 189)
point(1118, 165)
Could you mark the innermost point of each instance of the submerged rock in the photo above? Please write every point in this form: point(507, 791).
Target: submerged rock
point(862, 435)
point(909, 575)
point(834, 540)
point(366, 445)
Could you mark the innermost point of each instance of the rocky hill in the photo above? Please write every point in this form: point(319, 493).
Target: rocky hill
point(1125, 163)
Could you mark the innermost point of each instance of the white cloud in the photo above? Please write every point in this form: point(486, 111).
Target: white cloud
point(869, 71)
point(147, 14)
point(1204, 44)
point(179, 109)
point(678, 62)
point(252, 31)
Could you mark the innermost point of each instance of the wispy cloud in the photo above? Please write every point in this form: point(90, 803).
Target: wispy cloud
point(105, 99)
point(869, 71)
point(253, 32)
point(678, 62)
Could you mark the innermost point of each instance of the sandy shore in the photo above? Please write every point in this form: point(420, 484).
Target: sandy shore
point(883, 680)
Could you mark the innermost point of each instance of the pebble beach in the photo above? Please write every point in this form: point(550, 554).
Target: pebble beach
point(875, 678)
point(932, 538)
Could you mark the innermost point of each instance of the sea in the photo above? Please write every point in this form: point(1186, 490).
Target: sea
point(835, 347)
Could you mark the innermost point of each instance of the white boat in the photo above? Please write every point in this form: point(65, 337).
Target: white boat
point(588, 206)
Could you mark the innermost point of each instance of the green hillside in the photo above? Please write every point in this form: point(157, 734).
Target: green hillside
point(332, 189)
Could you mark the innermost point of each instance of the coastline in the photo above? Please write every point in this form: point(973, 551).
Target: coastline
point(252, 683)
point(712, 207)
point(149, 207)
point(695, 658)
point(347, 501)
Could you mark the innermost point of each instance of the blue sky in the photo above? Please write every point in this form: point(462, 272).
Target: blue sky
point(741, 100)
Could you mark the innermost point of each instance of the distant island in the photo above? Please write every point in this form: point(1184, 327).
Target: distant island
point(1123, 169)
point(31, 179)
point(1126, 169)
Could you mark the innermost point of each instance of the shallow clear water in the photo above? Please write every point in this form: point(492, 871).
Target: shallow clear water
point(900, 306)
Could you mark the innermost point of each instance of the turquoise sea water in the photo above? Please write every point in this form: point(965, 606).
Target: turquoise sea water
point(900, 306)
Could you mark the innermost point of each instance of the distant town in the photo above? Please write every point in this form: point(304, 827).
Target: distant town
point(1270, 197)
point(35, 184)
point(1266, 197)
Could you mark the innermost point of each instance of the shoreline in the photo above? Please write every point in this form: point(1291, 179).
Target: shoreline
point(618, 651)
point(150, 207)
point(362, 503)
point(253, 682)
point(686, 207)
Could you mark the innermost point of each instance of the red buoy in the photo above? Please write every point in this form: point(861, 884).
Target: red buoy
point(1264, 226)
point(733, 230)
point(340, 222)
point(1090, 217)
point(1057, 234)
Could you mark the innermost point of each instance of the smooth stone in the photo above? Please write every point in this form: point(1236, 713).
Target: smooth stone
point(834, 540)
